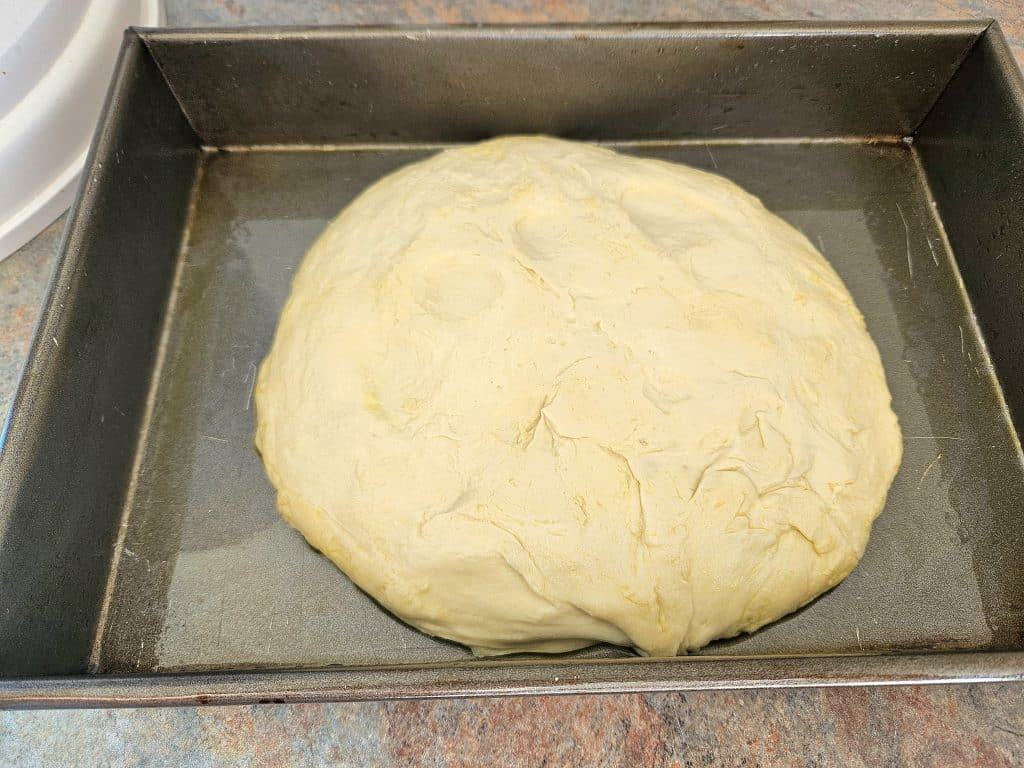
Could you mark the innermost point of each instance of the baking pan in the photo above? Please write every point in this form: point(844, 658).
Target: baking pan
point(141, 558)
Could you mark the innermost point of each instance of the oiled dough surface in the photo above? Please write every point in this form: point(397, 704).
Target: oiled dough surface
point(533, 394)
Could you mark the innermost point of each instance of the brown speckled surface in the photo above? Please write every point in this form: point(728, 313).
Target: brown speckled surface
point(977, 725)
point(914, 726)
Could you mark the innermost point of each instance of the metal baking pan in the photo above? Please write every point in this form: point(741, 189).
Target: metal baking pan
point(141, 558)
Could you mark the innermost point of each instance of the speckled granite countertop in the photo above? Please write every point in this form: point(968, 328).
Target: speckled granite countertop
point(979, 725)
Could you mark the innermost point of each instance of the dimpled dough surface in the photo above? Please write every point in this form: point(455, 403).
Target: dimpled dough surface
point(533, 394)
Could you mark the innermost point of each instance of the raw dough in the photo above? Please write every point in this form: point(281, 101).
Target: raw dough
point(533, 394)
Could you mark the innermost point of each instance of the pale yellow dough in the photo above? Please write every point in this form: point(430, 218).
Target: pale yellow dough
point(533, 394)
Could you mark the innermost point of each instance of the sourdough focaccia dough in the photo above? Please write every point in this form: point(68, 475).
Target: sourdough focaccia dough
point(533, 394)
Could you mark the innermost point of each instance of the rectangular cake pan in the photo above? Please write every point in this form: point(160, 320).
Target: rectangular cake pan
point(141, 558)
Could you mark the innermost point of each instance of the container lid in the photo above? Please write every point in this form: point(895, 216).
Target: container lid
point(56, 57)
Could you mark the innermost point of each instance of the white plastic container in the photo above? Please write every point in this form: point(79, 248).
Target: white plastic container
point(56, 58)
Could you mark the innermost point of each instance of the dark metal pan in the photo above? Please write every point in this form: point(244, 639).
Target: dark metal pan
point(141, 558)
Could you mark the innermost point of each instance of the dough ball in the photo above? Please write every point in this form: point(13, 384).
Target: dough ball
point(533, 395)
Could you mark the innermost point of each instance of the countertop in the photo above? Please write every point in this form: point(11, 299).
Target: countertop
point(979, 725)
